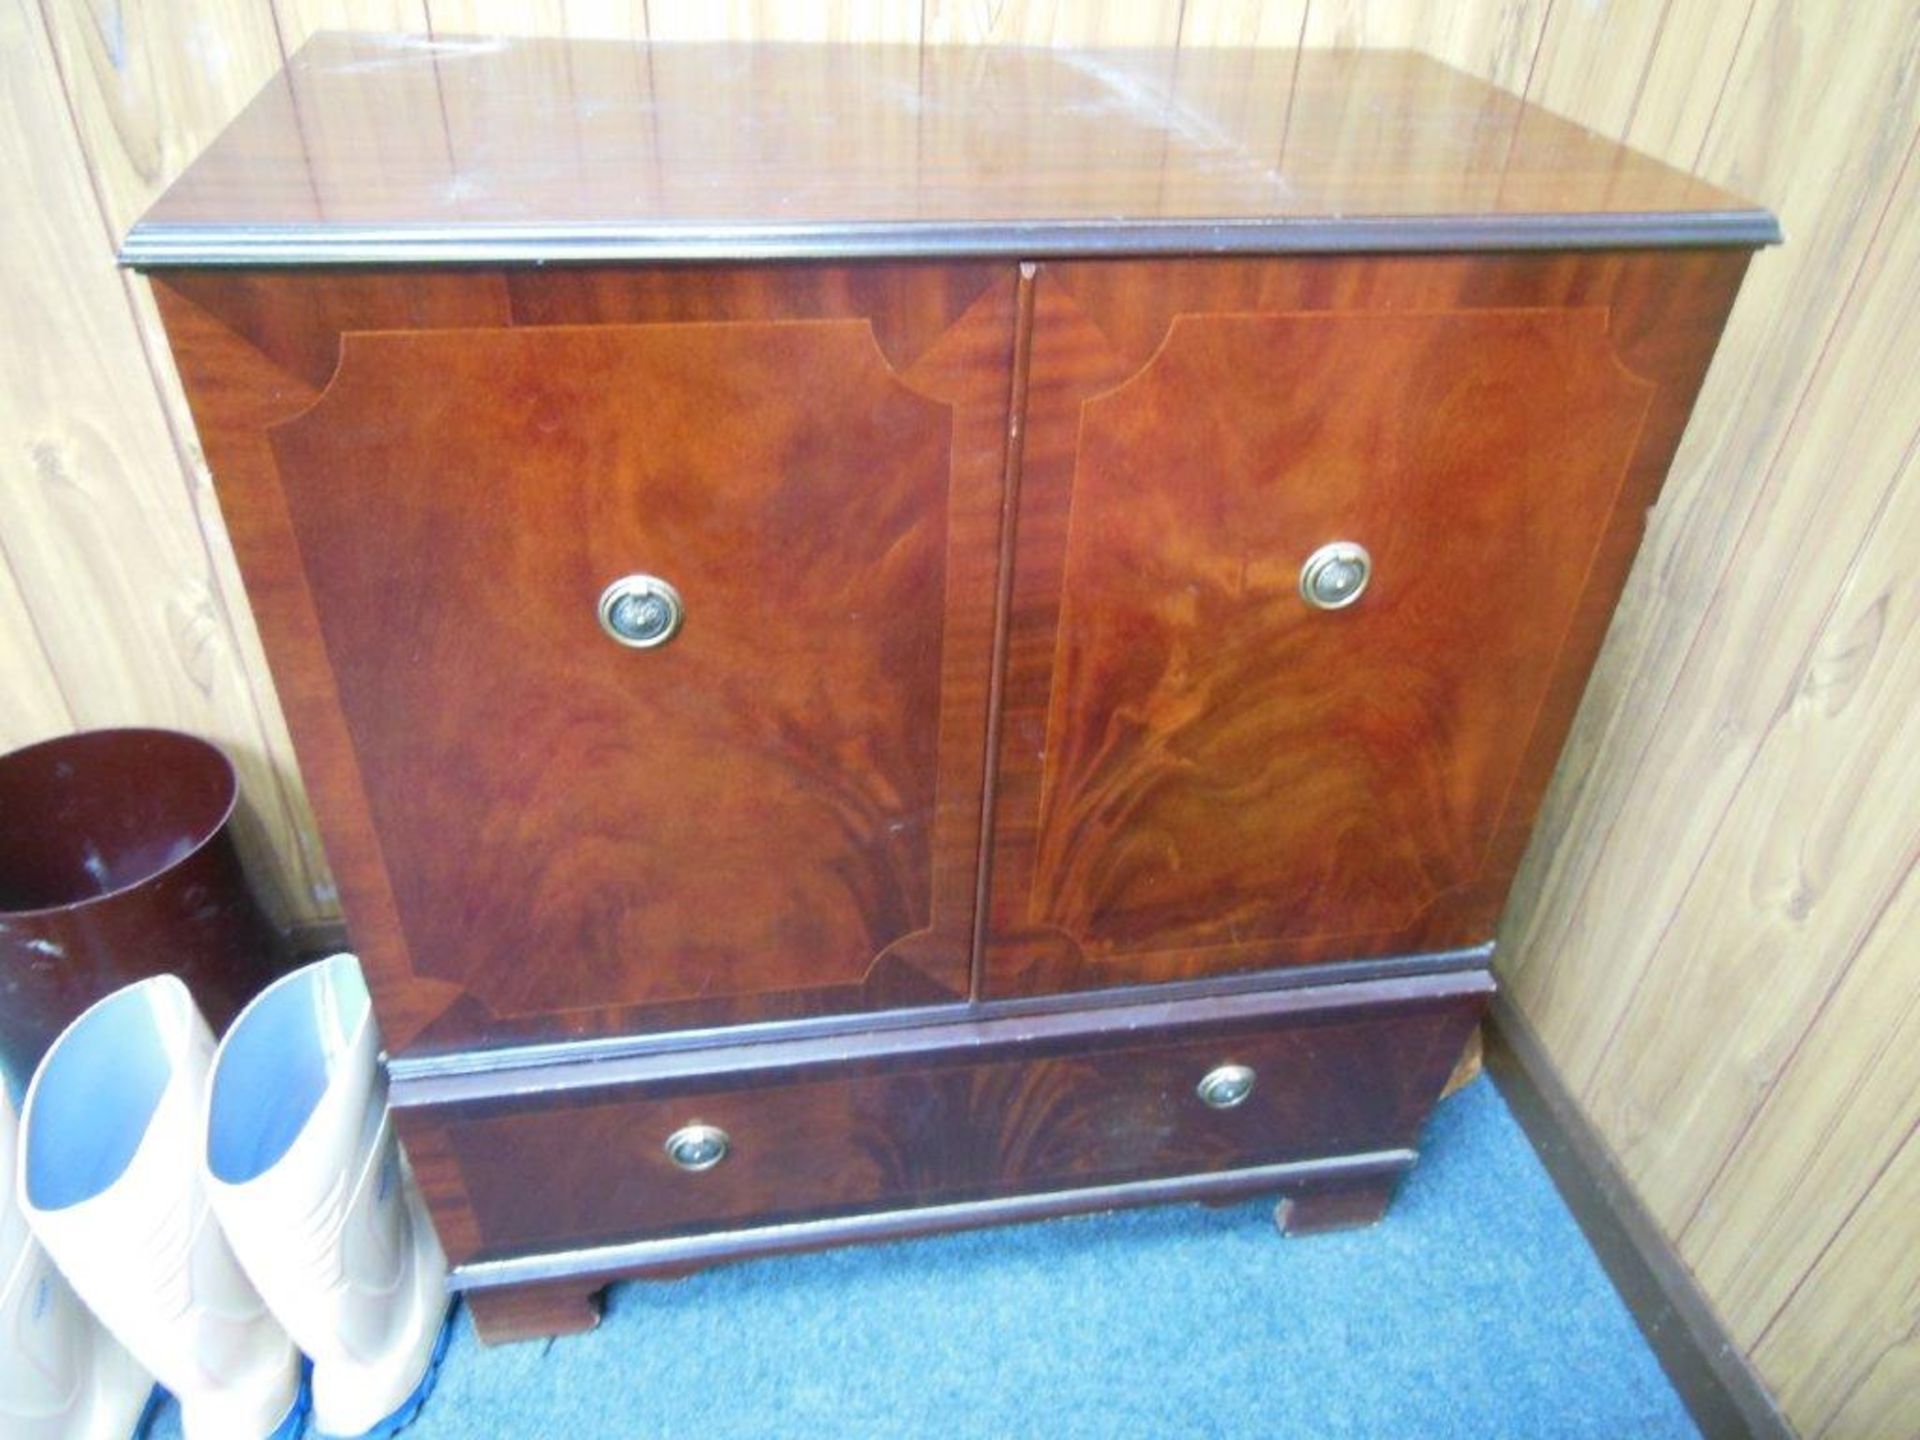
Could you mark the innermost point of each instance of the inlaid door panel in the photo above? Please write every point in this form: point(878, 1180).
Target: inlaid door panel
point(543, 832)
point(1201, 772)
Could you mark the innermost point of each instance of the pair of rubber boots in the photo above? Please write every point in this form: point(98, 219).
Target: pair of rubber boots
point(215, 1210)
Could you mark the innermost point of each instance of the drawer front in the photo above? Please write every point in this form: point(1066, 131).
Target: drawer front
point(543, 825)
point(1201, 769)
point(928, 1127)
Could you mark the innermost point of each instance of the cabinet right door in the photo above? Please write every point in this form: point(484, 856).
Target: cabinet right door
point(1200, 769)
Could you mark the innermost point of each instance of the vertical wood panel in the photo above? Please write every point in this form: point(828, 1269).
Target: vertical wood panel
point(1685, 82)
point(1716, 933)
point(894, 22)
point(147, 88)
point(1658, 720)
point(1844, 1359)
point(1051, 22)
point(150, 85)
point(1802, 862)
point(102, 536)
point(298, 20)
point(35, 707)
point(580, 19)
point(1219, 24)
point(1379, 24)
point(1604, 97)
point(1494, 39)
point(1842, 1110)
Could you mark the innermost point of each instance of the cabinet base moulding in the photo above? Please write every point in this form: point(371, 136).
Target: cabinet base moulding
point(539, 1296)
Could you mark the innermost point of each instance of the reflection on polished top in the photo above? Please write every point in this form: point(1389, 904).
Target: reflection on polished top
point(384, 149)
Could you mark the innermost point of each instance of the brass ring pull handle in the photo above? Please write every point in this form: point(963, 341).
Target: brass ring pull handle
point(698, 1147)
point(641, 611)
point(1335, 575)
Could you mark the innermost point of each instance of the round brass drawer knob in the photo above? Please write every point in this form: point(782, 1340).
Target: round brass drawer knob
point(641, 611)
point(698, 1147)
point(1225, 1086)
point(1335, 575)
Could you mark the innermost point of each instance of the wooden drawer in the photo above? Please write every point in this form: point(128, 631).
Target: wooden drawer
point(939, 1115)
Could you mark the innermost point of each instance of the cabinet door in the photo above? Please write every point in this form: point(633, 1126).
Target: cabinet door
point(541, 833)
point(1199, 772)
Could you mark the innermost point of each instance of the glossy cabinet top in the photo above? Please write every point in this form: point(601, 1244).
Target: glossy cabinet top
point(375, 149)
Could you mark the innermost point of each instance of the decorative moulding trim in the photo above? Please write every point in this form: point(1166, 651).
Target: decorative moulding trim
point(608, 1262)
point(156, 246)
point(582, 1065)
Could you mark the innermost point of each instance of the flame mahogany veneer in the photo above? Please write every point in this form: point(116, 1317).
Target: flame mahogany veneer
point(983, 408)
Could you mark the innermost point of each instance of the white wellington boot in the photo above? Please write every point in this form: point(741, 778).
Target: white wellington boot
point(311, 1187)
point(110, 1182)
point(62, 1377)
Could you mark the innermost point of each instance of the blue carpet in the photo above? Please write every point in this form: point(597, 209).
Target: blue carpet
point(1475, 1309)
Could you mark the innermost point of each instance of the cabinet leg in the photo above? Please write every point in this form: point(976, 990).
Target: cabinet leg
point(532, 1312)
point(1336, 1205)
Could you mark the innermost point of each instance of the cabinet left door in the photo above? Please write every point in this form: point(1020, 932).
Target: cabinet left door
point(432, 478)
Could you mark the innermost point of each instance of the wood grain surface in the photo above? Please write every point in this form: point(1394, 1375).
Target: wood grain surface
point(601, 144)
point(586, 1167)
point(1198, 773)
point(774, 814)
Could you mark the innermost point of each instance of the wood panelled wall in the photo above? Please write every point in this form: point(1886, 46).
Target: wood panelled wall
point(1717, 935)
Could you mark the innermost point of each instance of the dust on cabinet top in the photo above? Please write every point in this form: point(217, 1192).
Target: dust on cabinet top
point(398, 150)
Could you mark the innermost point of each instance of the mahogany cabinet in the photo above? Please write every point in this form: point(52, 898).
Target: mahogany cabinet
point(889, 639)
